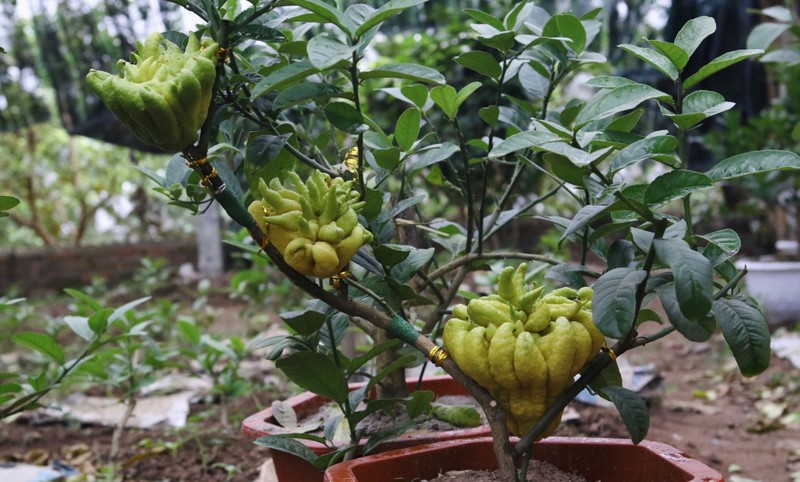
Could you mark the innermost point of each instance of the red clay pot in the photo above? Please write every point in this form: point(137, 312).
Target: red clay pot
point(596, 459)
point(290, 468)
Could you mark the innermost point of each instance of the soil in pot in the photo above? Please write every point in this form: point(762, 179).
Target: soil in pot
point(537, 471)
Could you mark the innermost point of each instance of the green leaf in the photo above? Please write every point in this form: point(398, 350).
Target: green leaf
point(583, 217)
point(694, 32)
point(304, 91)
point(416, 93)
point(287, 444)
point(727, 239)
point(746, 332)
point(654, 58)
point(611, 102)
point(434, 155)
point(535, 84)
point(325, 51)
point(98, 322)
point(263, 149)
point(490, 114)
point(413, 72)
point(357, 362)
point(675, 54)
point(626, 122)
point(486, 18)
point(419, 402)
point(446, 97)
point(522, 140)
point(8, 202)
point(392, 254)
point(462, 416)
point(674, 185)
point(80, 326)
point(387, 10)
point(609, 377)
point(722, 62)
point(284, 77)
point(41, 342)
point(122, 310)
point(778, 12)
point(694, 330)
point(748, 163)
point(569, 26)
point(481, 62)
point(190, 331)
point(633, 411)
point(326, 11)
point(790, 57)
point(317, 373)
point(345, 117)
point(697, 107)
point(304, 322)
point(763, 34)
point(82, 297)
point(693, 276)
point(407, 128)
point(614, 302)
point(502, 41)
point(644, 149)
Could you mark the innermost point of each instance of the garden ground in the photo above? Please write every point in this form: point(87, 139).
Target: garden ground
point(748, 429)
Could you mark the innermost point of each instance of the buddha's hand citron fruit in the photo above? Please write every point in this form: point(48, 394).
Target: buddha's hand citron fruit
point(524, 346)
point(313, 224)
point(163, 94)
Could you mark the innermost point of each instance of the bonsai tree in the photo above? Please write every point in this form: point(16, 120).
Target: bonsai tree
point(275, 109)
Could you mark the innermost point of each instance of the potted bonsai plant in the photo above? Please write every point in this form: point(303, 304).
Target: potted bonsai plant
point(383, 219)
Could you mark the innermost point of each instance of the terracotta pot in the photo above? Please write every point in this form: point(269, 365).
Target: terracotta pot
point(291, 468)
point(596, 459)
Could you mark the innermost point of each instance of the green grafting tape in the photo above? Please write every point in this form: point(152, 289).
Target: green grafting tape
point(402, 329)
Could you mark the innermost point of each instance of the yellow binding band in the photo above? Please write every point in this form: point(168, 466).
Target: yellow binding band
point(437, 355)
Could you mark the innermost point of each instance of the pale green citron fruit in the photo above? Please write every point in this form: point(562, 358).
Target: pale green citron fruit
point(164, 93)
point(312, 223)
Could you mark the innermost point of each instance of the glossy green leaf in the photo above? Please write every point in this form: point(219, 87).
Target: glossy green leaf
point(583, 217)
point(727, 239)
point(693, 276)
point(481, 62)
point(535, 84)
point(345, 117)
point(609, 377)
point(569, 26)
point(304, 91)
point(522, 140)
point(694, 32)
point(610, 81)
point(675, 54)
point(446, 97)
point(516, 17)
point(693, 330)
point(41, 342)
point(642, 150)
point(611, 102)
point(413, 72)
point(763, 34)
point(304, 322)
point(98, 322)
point(778, 12)
point(614, 302)
point(8, 202)
point(500, 41)
point(80, 326)
point(120, 312)
point(407, 128)
point(633, 411)
point(326, 11)
point(391, 254)
point(263, 149)
point(654, 58)
point(490, 114)
point(325, 51)
point(386, 10)
point(416, 93)
point(419, 402)
point(749, 163)
point(626, 122)
point(285, 443)
point(284, 77)
point(486, 18)
point(720, 63)
point(674, 185)
point(746, 332)
point(317, 373)
point(697, 107)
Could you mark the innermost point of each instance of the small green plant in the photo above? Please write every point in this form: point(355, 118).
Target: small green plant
point(153, 275)
point(21, 391)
